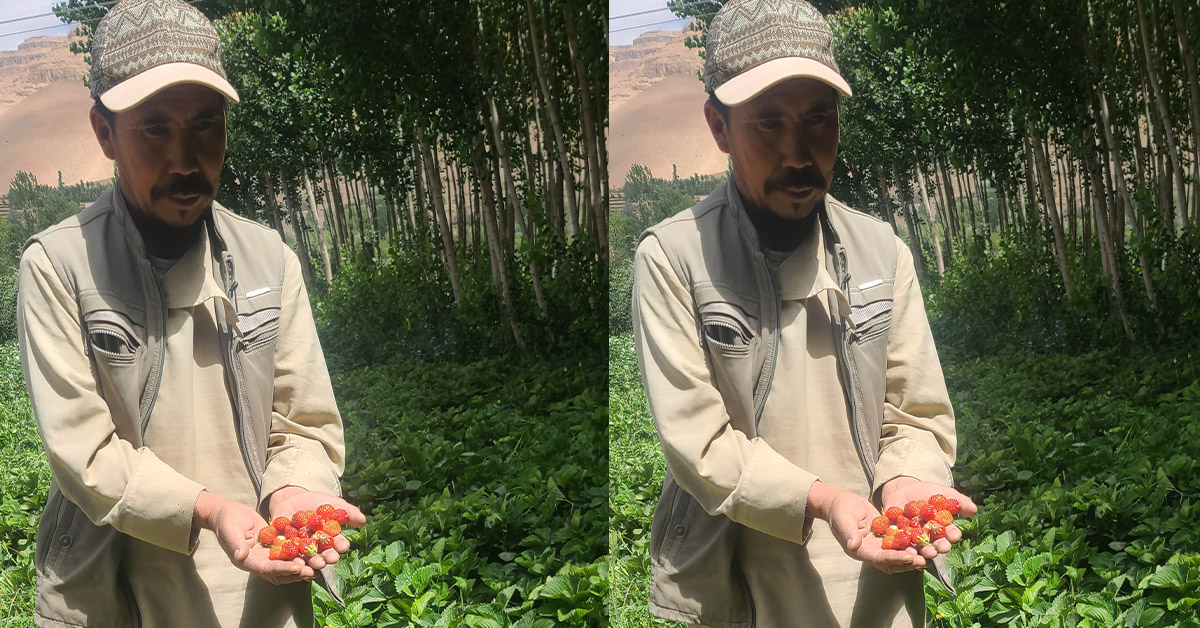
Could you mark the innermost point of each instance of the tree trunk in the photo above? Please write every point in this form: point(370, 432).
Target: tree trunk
point(439, 211)
point(499, 265)
point(1044, 178)
point(1163, 112)
point(273, 205)
point(589, 136)
point(914, 237)
point(555, 121)
point(1108, 256)
point(289, 194)
point(320, 227)
point(932, 216)
point(1193, 84)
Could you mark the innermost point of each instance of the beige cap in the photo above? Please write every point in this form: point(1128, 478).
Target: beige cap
point(142, 47)
point(754, 44)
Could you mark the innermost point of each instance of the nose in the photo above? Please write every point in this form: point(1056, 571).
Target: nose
point(796, 150)
point(182, 154)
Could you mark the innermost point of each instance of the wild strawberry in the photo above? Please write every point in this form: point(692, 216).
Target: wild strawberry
point(903, 522)
point(290, 550)
point(879, 525)
point(341, 516)
point(300, 519)
point(927, 513)
point(893, 514)
point(316, 522)
point(280, 524)
point(921, 539)
point(333, 528)
point(308, 547)
point(938, 501)
point(912, 510)
point(323, 540)
point(888, 542)
point(276, 553)
point(936, 530)
point(291, 532)
point(325, 510)
point(267, 535)
point(952, 505)
point(901, 540)
point(944, 517)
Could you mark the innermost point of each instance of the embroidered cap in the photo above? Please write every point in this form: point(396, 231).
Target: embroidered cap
point(142, 47)
point(754, 44)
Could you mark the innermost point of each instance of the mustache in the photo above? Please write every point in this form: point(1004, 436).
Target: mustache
point(806, 177)
point(183, 186)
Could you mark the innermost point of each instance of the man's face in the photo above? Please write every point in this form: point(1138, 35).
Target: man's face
point(783, 144)
point(169, 151)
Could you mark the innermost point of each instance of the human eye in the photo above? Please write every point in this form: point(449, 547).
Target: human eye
point(156, 130)
point(770, 123)
point(818, 118)
point(205, 124)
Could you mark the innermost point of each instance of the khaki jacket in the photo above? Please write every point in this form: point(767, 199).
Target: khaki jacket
point(91, 330)
point(706, 314)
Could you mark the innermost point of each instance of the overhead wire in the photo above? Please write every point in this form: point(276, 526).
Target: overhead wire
point(629, 28)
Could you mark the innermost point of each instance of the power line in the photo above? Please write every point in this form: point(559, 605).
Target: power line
point(34, 30)
point(629, 28)
point(663, 8)
point(27, 17)
point(106, 4)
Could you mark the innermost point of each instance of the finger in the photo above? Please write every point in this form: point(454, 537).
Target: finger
point(341, 544)
point(330, 556)
point(953, 533)
point(356, 516)
point(317, 562)
point(942, 546)
point(966, 507)
point(929, 552)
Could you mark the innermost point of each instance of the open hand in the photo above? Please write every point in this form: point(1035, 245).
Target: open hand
point(291, 499)
point(236, 527)
point(903, 489)
point(850, 518)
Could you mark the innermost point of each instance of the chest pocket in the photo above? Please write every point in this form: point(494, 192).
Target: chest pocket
point(871, 312)
point(115, 338)
point(727, 327)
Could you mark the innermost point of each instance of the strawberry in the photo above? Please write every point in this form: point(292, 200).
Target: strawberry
point(893, 514)
point(944, 517)
point(325, 510)
point(307, 547)
point(267, 535)
point(289, 550)
point(323, 540)
point(290, 532)
point(900, 540)
point(316, 522)
point(333, 528)
point(879, 525)
point(938, 501)
point(903, 522)
point(911, 509)
point(921, 539)
point(952, 505)
point(927, 512)
point(341, 516)
point(276, 553)
point(936, 530)
point(888, 542)
point(300, 519)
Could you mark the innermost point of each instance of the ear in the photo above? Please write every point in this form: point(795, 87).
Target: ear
point(104, 133)
point(717, 126)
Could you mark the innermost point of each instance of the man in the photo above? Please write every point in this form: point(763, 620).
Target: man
point(173, 363)
point(787, 360)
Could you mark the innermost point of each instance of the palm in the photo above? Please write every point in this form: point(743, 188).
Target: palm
point(902, 490)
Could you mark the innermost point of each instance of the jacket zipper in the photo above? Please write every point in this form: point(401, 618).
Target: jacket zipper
point(767, 377)
point(851, 371)
point(156, 379)
point(240, 398)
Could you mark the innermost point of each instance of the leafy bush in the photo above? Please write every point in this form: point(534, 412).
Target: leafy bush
point(8, 305)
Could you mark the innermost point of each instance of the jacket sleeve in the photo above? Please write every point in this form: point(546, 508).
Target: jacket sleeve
point(918, 438)
point(727, 472)
point(112, 482)
point(305, 447)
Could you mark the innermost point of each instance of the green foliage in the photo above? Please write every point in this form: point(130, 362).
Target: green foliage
point(24, 483)
point(485, 488)
point(8, 304)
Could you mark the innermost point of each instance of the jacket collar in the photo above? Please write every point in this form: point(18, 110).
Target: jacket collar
point(194, 277)
point(805, 273)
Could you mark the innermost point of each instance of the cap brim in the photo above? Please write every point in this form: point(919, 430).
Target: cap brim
point(134, 90)
point(754, 81)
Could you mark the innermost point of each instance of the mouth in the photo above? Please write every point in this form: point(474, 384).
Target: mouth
point(184, 200)
point(800, 193)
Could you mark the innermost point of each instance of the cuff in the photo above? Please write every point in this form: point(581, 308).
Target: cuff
point(772, 496)
point(296, 467)
point(907, 457)
point(164, 501)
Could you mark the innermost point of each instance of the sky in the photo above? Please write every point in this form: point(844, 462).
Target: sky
point(623, 26)
point(11, 31)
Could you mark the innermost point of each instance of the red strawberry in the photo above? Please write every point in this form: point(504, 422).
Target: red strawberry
point(936, 530)
point(323, 540)
point(281, 523)
point(938, 501)
point(341, 516)
point(904, 522)
point(927, 512)
point(879, 525)
point(901, 540)
point(325, 510)
point(267, 535)
point(944, 517)
point(276, 553)
point(308, 547)
point(290, 550)
point(333, 528)
point(290, 532)
point(893, 514)
point(300, 519)
point(888, 542)
point(911, 509)
point(952, 505)
point(316, 522)
point(921, 539)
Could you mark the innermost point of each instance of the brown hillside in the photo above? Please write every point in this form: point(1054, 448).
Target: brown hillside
point(49, 131)
point(36, 63)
